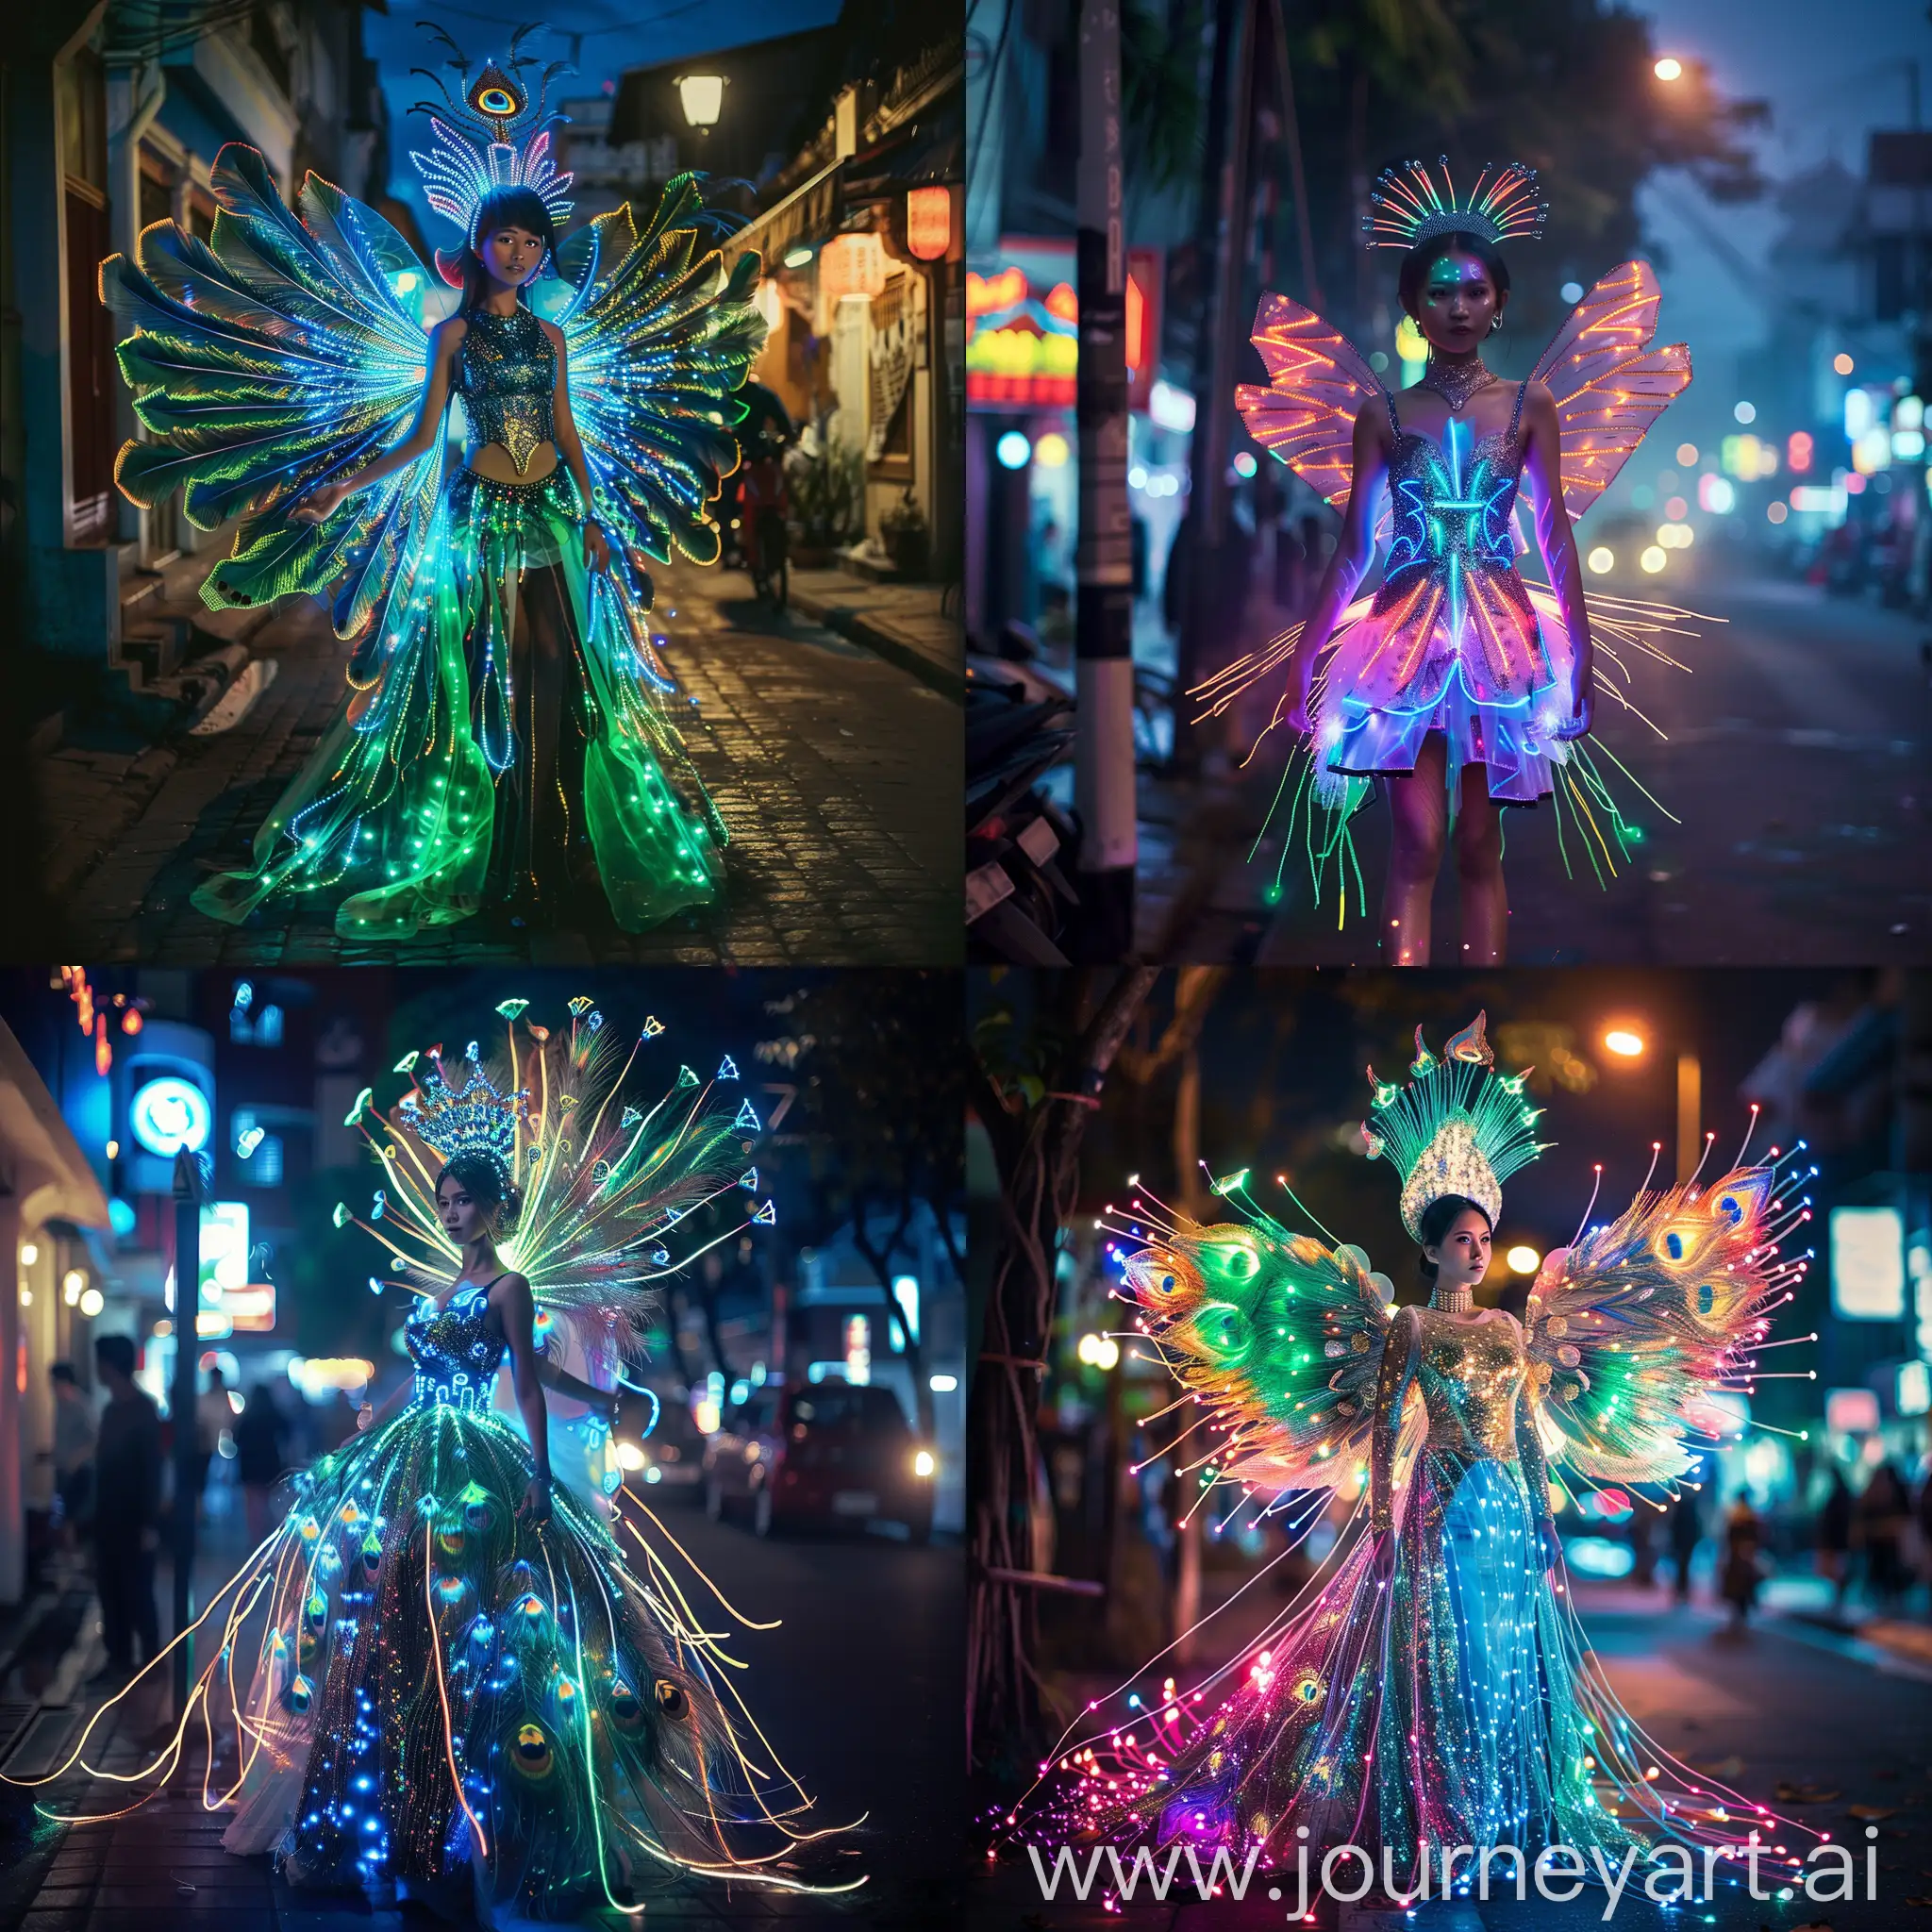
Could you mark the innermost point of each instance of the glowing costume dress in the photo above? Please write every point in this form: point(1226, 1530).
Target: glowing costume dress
point(1458, 1704)
point(1454, 640)
point(445, 1695)
point(290, 350)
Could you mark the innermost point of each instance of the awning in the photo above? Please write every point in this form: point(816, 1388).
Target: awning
point(39, 1158)
point(811, 212)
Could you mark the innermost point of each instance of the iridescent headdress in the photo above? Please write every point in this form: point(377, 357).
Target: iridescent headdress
point(474, 1118)
point(1409, 206)
point(1457, 1127)
point(490, 135)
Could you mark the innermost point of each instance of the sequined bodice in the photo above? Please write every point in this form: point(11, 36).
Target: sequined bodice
point(507, 375)
point(1470, 1374)
point(1451, 502)
point(456, 1356)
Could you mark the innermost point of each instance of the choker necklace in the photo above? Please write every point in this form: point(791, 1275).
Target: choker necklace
point(1453, 1300)
point(1456, 382)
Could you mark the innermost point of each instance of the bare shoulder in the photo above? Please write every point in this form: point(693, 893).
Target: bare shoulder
point(1537, 399)
point(556, 336)
point(510, 1287)
point(448, 333)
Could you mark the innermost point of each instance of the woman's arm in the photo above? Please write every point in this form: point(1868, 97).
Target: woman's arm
point(323, 500)
point(569, 446)
point(1353, 554)
point(511, 1298)
point(1542, 473)
point(576, 1387)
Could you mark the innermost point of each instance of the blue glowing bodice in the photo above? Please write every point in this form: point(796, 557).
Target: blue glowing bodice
point(507, 375)
point(1450, 503)
point(456, 1356)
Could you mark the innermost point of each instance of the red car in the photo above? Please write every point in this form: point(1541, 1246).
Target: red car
point(826, 1456)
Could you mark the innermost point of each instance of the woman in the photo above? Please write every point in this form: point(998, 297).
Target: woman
point(1431, 1686)
point(466, 1689)
point(1455, 686)
point(508, 738)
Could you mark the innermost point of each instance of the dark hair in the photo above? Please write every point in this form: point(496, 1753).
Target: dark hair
point(1439, 1217)
point(504, 208)
point(63, 1372)
point(115, 1352)
point(480, 1177)
point(1420, 260)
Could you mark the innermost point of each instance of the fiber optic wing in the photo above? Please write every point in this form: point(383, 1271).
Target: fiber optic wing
point(1631, 1331)
point(285, 351)
point(661, 335)
point(1278, 1338)
point(1609, 383)
point(1317, 384)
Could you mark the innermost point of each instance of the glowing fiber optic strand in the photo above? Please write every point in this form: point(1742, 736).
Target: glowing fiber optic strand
point(1410, 204)
point(1343, 1717)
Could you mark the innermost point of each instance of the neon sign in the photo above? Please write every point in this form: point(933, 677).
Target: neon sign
point(1023, 348)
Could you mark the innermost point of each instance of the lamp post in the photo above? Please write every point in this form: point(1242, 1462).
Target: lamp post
point(1627, 1045)
point(191, 1190)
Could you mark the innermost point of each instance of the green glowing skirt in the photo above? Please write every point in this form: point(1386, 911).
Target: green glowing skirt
point(394, 815)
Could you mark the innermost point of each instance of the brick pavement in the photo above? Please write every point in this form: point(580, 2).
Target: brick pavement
point(838, 772)
point(906, 623)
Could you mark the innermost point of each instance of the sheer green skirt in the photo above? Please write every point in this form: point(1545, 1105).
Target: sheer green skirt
point(500, 734)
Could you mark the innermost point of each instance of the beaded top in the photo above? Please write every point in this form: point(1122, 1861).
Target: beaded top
point(456, 1356)
point(507, 375)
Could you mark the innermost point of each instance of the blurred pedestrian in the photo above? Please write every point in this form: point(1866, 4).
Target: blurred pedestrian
point(1743, 1541)
point(215, 1416)
point(262, 1456)
point(74, 1450)
point(1687, 1532)
point(1834, 1557)
point(127, 1509)
point(1884, 1512)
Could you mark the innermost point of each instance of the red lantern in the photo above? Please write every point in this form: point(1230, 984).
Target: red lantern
point(929, 221)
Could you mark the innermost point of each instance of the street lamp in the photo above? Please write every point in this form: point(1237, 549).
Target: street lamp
point(703, 98)
point(1669, 69)
point(1625, 1044)
point(1524, 1259)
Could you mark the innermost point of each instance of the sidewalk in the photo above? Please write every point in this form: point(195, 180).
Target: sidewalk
point(906, 624)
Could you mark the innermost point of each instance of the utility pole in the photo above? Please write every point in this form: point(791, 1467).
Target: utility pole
point(1104, 615)
point(1223, 235)
point(191, 1189)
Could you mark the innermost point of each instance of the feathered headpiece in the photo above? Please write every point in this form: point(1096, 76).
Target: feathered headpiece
point(1456, 1127)
point(1410, 207)
point(490, 135)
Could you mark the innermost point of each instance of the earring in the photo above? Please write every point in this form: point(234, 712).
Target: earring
point(1495, 323)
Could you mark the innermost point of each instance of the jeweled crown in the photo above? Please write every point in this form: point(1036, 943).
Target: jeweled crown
point(474, 1118)
point(1456, 1127)
point(1410, 204)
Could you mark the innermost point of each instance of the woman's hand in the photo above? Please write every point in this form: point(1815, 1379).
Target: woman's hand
point(320, 502)
point(535, 1508)
point(1582, 705)
point(596, 549)
point(1553, 1547)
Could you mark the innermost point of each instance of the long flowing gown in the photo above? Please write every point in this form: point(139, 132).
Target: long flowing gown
point(448, 1696)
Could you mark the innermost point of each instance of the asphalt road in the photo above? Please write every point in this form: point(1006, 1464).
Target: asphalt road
point(1775, 1706)
point(1795, 757)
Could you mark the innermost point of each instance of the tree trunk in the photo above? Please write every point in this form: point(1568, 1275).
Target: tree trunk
point(1037, 1152)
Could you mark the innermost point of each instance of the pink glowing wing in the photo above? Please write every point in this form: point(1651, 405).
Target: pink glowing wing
point(1317, 384)
point(1610, 384)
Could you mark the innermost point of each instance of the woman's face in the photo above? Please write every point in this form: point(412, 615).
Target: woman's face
point(1458, 303)
point(1462, 1255)
point(512, 255)
point(465, 1217)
